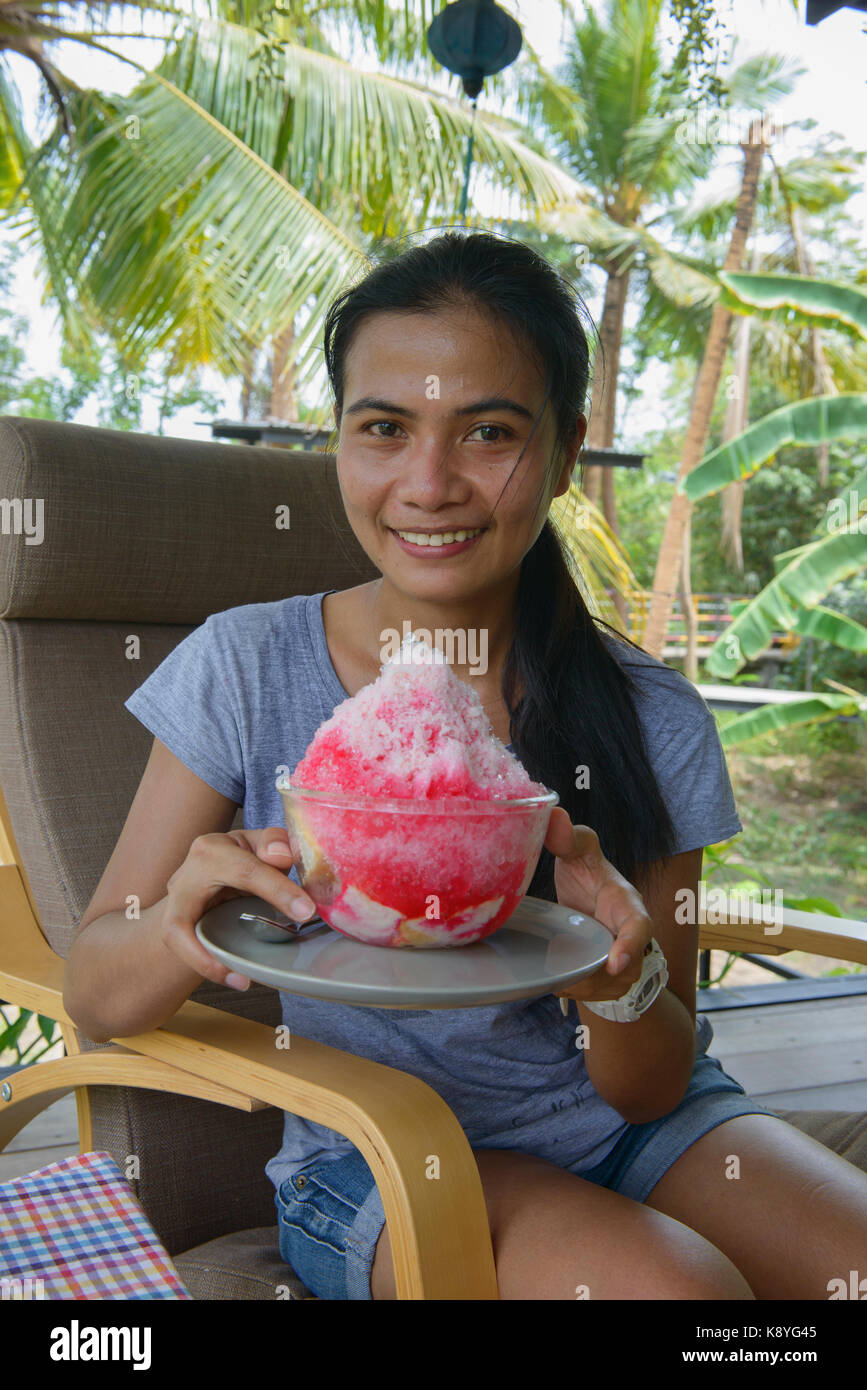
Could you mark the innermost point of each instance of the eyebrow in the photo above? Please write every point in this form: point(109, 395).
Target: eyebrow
point(490, 403)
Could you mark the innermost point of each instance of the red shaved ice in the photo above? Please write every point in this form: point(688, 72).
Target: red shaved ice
point(446, 859)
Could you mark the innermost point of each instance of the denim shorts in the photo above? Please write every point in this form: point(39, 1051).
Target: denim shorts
point(330, 1214)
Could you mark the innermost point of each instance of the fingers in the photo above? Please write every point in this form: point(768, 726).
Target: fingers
point(277, 849)
point(620, 906)
point(219, 867)
point(592, 884)
point(181, 940)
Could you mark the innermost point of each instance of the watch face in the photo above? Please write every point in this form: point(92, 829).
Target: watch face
point(646, 990)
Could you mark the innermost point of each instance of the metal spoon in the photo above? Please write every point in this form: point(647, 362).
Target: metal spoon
point(287, 928)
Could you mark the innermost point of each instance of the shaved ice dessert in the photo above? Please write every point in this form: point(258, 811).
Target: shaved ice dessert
point(410, 821)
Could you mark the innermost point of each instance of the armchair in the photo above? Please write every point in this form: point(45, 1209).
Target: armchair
point(143, 538)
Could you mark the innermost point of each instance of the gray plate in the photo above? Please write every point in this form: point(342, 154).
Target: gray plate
point(541, 947)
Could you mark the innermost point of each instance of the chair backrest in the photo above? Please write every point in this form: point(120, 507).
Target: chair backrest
point(114, 547)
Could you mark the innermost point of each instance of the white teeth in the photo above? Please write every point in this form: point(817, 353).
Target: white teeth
point(418, 538)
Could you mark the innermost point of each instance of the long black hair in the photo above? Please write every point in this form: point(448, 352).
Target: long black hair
point(577, 709)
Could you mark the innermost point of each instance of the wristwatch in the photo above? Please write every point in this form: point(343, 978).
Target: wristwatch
point(638, 999)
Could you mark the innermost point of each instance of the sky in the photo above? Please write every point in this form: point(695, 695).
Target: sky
point(831, 90)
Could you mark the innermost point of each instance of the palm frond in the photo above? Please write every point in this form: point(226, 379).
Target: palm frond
point(298, 257)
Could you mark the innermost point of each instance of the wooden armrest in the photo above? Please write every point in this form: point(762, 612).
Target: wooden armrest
point(420, 1158)
point(817, 933)
point(30, 1090)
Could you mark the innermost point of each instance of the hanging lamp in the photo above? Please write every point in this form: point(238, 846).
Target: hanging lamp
point(474, 39)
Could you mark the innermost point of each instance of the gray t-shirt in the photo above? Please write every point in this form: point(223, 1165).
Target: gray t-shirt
point(240, 699)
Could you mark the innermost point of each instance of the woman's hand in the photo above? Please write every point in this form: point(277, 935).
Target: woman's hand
point(587, 882)
point(223, 866)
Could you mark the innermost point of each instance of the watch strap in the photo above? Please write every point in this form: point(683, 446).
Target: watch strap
point(639, 997)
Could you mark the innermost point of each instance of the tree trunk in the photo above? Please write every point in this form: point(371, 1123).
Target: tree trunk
point(823, 379)
point(603, 400)
point(670, 552)
point(735, 423)
point(247, 381)
point(690, 618)
point(609, 508)
point(282, 405)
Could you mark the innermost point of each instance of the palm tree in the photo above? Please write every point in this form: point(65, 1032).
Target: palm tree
point(796, 358)
point(668, 565)
point(241, 184)
point(670, 559)
point(149, 227)
point(618, 136)
point(632, 154)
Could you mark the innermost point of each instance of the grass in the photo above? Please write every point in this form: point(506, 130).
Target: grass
point(802, 799)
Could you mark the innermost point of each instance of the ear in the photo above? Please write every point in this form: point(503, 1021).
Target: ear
point(571, 458)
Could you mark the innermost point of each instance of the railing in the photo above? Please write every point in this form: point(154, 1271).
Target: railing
point(712, 614)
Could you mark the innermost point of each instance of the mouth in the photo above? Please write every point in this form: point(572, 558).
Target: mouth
point(442, 543)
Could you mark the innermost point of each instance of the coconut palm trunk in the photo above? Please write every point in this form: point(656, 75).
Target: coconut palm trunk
point(283, 405)
point(823, 377)
point(690, 617)
point(603, 406)
point(735, 423)
point(248, 381)
point(669, 561)
point(603, 401)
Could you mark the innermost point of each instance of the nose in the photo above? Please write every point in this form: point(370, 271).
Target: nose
point(429, 474)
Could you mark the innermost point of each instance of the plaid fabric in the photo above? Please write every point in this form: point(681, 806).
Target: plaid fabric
point(74, 1230)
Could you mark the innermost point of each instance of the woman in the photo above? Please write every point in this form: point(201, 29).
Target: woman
point(459, 373)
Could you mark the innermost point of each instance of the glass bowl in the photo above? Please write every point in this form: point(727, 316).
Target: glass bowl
point(395, 871)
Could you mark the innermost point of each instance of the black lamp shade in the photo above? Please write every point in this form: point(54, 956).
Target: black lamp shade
point(817, 10)
point(474, 38)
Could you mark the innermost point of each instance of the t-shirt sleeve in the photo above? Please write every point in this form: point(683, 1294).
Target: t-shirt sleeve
point(684, 748)
point(187, 704)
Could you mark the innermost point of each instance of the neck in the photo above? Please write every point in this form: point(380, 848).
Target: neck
point(474, 633)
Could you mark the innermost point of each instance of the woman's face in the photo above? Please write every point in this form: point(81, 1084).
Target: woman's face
point(431, 456)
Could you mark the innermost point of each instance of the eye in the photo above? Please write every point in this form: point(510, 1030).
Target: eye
point(501, 430)
point(373, 424)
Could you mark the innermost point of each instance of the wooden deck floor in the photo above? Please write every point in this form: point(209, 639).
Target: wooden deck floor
point(795, 1056)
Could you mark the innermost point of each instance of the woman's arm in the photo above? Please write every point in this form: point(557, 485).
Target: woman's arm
point(642, 1069)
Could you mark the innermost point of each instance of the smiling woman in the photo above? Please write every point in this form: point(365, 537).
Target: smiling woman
point(460, 373)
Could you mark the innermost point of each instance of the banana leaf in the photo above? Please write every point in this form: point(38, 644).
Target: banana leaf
point(817, 303)
point(819, 420)
point(803, 582)
point(844, 507)
point(813, 709)
point(827, 626)
point(812, 905)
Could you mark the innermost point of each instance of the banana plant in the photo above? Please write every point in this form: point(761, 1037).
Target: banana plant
point(792, 598)
point(819, 420)
point(814, 303)
point(815, 708)
point(839, 547)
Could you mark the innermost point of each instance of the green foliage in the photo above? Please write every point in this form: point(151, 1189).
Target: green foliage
point(698, 50)
point(98, 370)
point(804, 299)
point(800, 796)
point(812, 709)
point(11, 1029)
point(831, 662)
point(817, 420)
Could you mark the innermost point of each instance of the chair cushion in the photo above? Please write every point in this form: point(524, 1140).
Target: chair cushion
point(245, 1264)
point(842, 1131)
